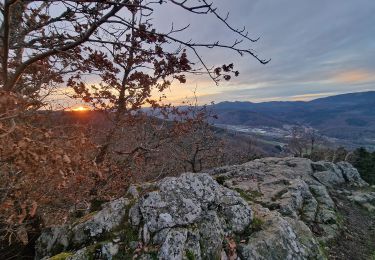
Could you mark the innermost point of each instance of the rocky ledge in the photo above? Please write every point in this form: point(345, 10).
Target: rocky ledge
point(266, 209)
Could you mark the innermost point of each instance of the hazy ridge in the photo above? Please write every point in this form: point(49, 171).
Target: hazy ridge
point(347, 116)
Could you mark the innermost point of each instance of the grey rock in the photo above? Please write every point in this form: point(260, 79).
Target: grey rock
point(146, 234)
point(351, 174)
point(179, 216)
point(211, 236)
point(174, 245)
point(102, 251)
point(52, 241)
point(295, 187)
point(365, 199)
point(133, 192)
point(193, 246)
point(266, 205)
point(328, 173)
point(280, 238)
point(135, 215)
point(55, 240)
point(108, 250)
point(104, 221)
point(185, 200)
point(81, 254)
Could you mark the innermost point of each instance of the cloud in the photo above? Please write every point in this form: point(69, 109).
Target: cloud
point(306, 97)
point(354, 76)
point(317, 48)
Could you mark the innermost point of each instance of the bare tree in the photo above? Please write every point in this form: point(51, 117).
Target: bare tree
point(304, 141)
point(297, 143)
point(51, 35)
point(43, 40)
point(49, 44)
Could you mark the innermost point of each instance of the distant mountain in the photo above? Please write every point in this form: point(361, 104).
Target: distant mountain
point(348, 116)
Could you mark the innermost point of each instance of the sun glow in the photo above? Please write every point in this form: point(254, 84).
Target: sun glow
point(354, 76)
point(80, 108)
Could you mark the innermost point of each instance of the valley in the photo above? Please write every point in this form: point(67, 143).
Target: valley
point(344, 120)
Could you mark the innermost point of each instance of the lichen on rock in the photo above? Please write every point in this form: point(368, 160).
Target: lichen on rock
point(193, 216)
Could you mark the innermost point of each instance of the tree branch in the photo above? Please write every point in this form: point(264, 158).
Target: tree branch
point(66, 47)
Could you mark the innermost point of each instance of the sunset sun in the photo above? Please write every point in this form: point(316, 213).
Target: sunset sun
point(80, 108)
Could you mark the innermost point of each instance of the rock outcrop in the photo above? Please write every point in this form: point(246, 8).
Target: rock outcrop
point(266, 209)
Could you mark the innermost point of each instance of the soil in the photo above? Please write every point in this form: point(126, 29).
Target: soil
point(357, 238)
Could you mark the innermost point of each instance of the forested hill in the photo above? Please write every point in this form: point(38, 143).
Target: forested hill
point(347, 116)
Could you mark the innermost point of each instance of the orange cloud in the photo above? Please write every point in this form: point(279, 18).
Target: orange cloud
point(307, 97)
point(353, 76)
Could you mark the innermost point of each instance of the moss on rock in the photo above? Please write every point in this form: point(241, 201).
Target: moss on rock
point(61, 256)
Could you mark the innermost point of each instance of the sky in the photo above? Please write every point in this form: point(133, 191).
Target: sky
point(318, 48)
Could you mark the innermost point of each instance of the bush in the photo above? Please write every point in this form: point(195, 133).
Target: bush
point(364, 161)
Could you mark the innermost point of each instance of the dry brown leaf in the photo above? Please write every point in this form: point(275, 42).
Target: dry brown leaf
point(33, 209)
point(66, 159)
point(22, 235)
point(23, 214)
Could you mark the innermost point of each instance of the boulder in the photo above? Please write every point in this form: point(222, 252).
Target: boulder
point(89, 228)
point(188, 215)
point(280, 238)
point(271, 208)
point(364, 199)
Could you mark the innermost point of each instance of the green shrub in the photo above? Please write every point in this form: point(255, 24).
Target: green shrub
point(257, 224)
point(364, 161)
